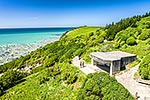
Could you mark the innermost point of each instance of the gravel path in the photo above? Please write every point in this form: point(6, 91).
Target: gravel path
point(127, 80)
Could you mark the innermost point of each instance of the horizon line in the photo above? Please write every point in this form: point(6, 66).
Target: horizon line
point(39, 27)
point(52, 26)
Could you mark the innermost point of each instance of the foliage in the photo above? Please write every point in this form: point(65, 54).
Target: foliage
point(114, 28)
point(43, 80)
point(116, 45)
point(131, 41)
point(144, 68)
point(100, 86)
point(42, 86)
point(54, 71)
point(1, 89)
point(71, 78)
point(144, 35)
point(9, 79)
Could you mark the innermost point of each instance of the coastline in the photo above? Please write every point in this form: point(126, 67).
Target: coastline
point(11, 52)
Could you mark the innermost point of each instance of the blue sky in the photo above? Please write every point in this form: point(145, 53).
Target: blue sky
point(43, 13)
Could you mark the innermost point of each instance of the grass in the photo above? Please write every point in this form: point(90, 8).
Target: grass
point(81, 31)
point(31, 89)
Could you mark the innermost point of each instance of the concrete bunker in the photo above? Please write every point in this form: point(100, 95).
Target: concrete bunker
point(112, 62)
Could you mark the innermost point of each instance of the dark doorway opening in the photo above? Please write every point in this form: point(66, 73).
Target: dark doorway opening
point(104, 67)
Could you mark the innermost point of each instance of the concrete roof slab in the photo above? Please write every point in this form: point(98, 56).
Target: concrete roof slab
point(111, 56)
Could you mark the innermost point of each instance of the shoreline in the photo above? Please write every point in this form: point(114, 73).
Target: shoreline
point(11, 52)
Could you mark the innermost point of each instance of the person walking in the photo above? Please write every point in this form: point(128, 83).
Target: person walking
point(81, 63)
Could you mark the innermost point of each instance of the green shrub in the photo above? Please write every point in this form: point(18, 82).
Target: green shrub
point(122, 43)
point(121, 36)
point(50, 61)
point(91, 34)
point(72, 78)
point(144, 35)
point(43, 80)
point(1, 89)
point(11, 78)
point(65, 75)
point(148, 41)
point(116, 45)
point(97, 41)
point(54, 71)
point(78, 52)
point(124, 46)
point(100, 86)
point(9, 65)
point(98, 32)
point(131, 41)
point(144, 68)
point(103, 34)
point(100, 40)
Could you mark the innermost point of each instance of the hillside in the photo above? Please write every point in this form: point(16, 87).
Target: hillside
point(52, 76)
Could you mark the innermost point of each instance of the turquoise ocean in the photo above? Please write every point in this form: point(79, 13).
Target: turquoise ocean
point(29, 35)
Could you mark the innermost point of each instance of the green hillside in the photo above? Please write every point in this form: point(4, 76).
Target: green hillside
point(52, 76)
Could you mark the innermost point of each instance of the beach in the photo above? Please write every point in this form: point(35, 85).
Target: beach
point(10, 52)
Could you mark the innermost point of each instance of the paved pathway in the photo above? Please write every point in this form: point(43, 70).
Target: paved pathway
point(127, 80)
point(87, 69)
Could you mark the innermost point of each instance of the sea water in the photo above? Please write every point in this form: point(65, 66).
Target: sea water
point(29, 35)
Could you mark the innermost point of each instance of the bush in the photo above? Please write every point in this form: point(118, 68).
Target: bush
point(78, 52)
point(124, 46)
point(91, 34)
point(131, 41)
point(54, 71)
point(72, 78)
point(144, 68)
point(7, 66)
point(97, 41)
point(65, 75)
point(122, 43)
point(11, 78)
point(144, 35)
point(98, 32)
point(121, 36)
point(100, 40)
point(50, 61)
point(43, 80)
point(116, 45)
point(1, 89)
point(148, 41)
point(100, 86)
